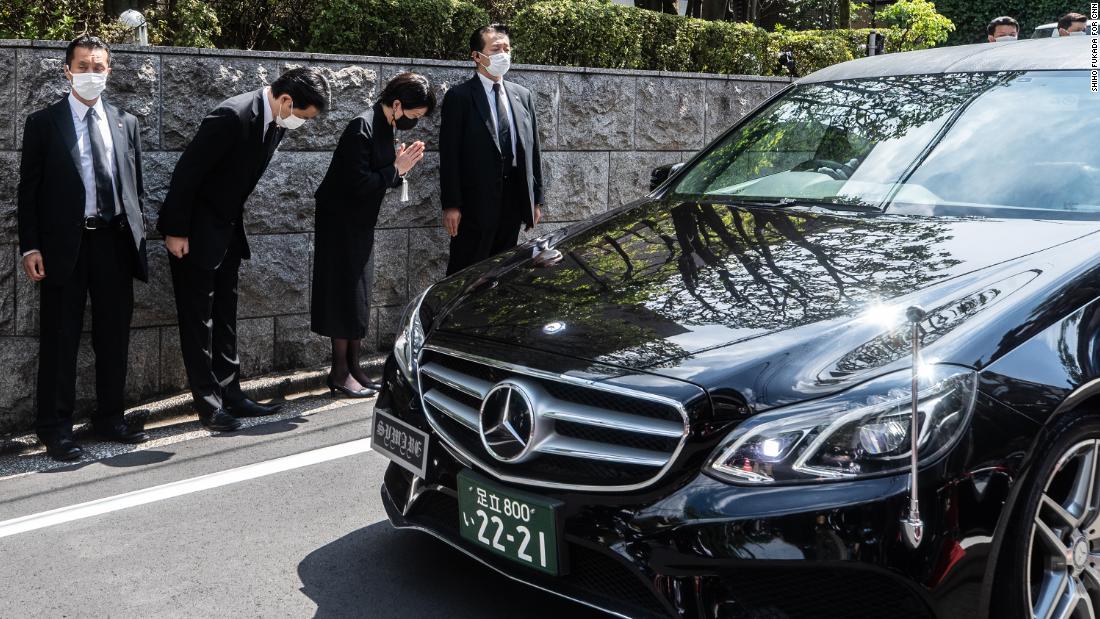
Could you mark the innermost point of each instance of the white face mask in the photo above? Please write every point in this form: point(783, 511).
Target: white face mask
point(1079, 33)
point(498, 64)
point(89, 85)
point(1006, 37)
point(291, 122)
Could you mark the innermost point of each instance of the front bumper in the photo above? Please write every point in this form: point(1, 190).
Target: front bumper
point(703, 548)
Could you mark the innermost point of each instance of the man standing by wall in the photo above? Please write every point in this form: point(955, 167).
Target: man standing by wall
point(81, 232)
point(490, 164)
point(203, 226)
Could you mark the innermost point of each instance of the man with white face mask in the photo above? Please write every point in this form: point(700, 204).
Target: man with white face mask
point(490, 162)
point(202, 221)
point(1072, 24)
point(1002, 30)
point(81, 233)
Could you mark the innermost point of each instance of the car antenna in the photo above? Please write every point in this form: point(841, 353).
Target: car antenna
point(912, 525)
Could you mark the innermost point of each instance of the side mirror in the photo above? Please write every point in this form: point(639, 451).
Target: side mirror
point(660, 174)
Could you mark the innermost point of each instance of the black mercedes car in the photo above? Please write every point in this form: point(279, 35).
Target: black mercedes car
point(843, 363)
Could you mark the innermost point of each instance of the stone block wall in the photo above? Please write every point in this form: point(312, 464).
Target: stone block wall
point(602, 132)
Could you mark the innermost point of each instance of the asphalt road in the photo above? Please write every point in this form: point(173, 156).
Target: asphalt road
point(295, 528)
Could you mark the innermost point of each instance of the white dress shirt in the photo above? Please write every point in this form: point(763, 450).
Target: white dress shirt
point(492, 96)
point(84, 145)
point(269, 114)
point(87, 168)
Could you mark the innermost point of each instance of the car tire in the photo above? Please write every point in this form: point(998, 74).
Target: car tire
point(1050, 565)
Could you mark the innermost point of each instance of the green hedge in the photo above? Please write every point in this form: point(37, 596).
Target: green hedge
point(599, 34)
point(813, 49)
point(971, 16)
point(735, 48)
point(437, 29)
point(591, 33)
point(583, 33)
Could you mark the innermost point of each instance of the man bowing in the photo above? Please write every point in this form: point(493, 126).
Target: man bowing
point(81, 233)
point(202, 221)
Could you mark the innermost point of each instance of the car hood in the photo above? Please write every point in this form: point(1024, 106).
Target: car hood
point(661, 282)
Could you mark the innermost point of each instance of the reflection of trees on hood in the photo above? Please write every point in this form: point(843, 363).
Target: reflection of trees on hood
point(628, 285)
point(772, 269)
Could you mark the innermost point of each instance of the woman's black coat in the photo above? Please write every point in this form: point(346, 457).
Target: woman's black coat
point(348, 202)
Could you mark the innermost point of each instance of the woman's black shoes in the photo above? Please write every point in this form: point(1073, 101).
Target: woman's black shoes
point(334, 389)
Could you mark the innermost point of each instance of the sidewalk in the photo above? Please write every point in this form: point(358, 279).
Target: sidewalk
point(175, 414)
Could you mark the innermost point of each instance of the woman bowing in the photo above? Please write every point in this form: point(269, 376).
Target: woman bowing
point(368, 161)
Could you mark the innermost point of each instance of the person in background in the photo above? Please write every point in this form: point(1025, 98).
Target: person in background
point(490, 162)
point(1002, 29)
point(202, 221)
point(82, 232)
point(367, 163)
point(1072, 24)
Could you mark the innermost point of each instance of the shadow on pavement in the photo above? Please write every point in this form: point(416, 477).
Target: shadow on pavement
point(380, 572)
point(137, 458)
point(264, 429)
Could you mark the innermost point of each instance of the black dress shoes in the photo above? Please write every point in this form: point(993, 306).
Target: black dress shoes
point(248, 408)
point(63, 450)
point(121, 433)
point(220, 421)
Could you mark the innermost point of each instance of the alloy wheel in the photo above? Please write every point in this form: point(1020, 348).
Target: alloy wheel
point(1063, 558)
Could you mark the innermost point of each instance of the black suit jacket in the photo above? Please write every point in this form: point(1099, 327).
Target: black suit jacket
point(51, 193)
point(214, 177)
point(470, 163)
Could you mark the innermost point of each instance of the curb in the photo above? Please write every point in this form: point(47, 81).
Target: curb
point(272, 387)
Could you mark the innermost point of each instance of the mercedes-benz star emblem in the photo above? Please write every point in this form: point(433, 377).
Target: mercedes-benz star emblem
point(507, 422)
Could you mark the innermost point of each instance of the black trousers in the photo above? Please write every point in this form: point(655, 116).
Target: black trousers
point(104, 270)
point(206, 306)
point(477, 241)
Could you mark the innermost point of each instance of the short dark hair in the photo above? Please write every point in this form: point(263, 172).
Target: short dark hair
point(477, 39)
point(411, 89)
point(306, 87)
point(1070, 18)
point(1003, 20)
point(87, 41)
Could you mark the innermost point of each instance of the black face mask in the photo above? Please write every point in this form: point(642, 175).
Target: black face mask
point(405, 123)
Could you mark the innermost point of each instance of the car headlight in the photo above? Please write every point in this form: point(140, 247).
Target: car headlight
point(859, 433)
point(409, 341)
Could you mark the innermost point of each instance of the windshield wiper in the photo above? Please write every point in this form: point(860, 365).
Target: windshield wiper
point(791, 202)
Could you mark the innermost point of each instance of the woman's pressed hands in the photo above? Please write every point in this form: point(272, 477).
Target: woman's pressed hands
point(408, 157)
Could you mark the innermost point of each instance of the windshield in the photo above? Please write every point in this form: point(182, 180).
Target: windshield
point(1004, 145)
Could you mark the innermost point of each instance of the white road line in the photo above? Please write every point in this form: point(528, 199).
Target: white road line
point(106, 505)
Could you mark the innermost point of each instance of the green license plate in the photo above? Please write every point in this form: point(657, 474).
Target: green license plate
point(513, 524)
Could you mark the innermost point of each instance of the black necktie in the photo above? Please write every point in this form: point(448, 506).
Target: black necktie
point(104, 187)
point(504, 130)
point(270, 143)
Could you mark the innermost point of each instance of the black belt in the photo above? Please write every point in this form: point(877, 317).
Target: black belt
point(97, 223)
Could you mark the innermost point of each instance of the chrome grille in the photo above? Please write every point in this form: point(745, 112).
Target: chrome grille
point(591, 436)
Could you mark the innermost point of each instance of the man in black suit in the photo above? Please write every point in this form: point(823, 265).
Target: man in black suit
point(203, 227)
point(81, 232)
point(490, 163)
